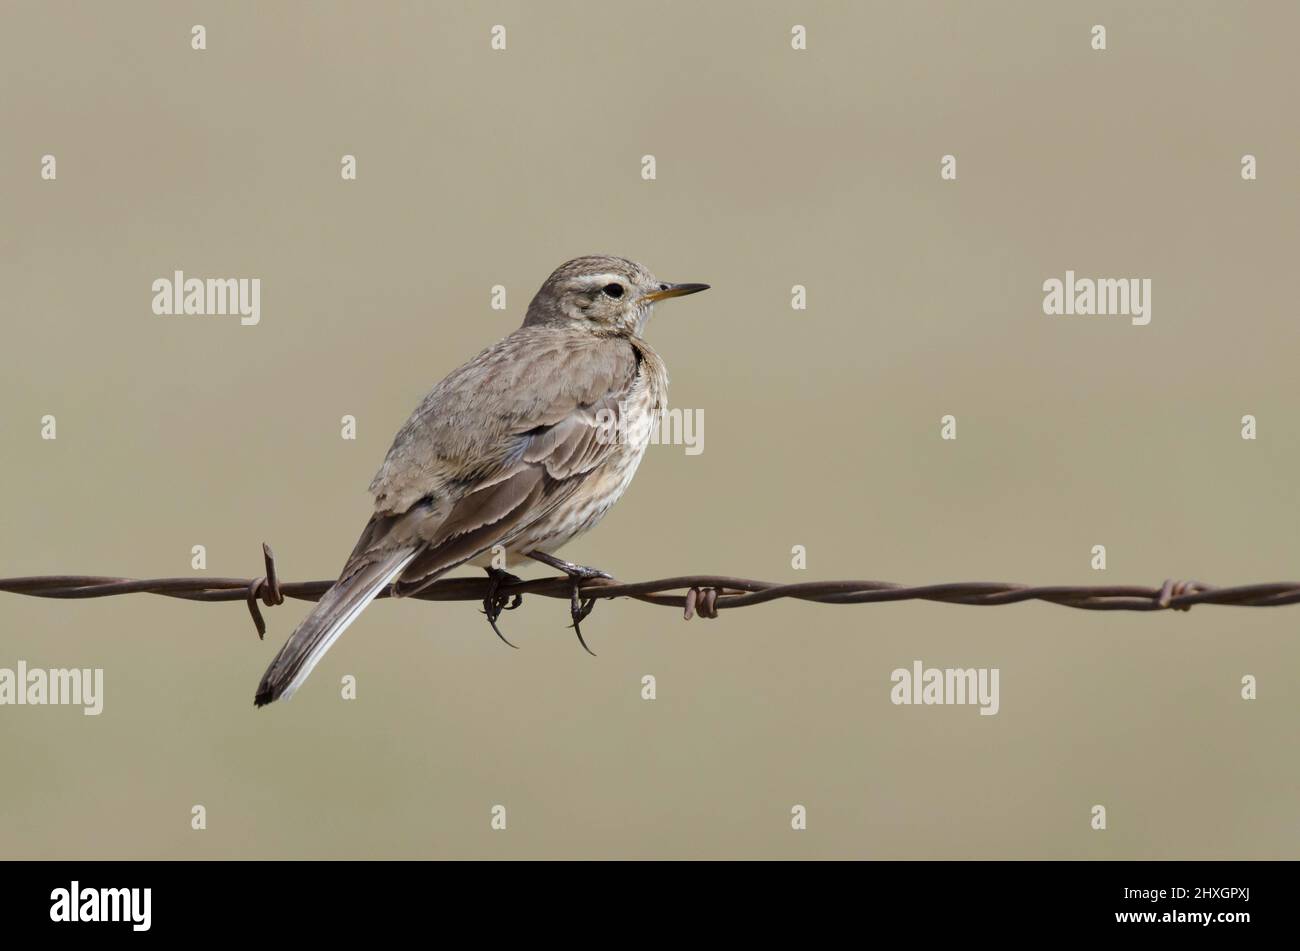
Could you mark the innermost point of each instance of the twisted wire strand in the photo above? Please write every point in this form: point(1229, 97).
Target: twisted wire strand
point(704, 595)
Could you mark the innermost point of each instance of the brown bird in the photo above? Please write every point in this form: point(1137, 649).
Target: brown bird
point(525, 447)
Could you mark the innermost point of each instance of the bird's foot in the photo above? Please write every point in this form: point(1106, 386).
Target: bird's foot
point(579, 607)
point(496, 602)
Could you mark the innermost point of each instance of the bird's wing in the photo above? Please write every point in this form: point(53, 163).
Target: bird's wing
point(499, 444)
point(475, 422)
point(492, 448)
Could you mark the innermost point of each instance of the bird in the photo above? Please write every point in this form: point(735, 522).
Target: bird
point(520, 450)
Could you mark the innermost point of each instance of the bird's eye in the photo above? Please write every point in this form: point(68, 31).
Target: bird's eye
point(614, 290)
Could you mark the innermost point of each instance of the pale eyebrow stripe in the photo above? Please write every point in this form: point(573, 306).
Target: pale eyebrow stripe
point(603, 279)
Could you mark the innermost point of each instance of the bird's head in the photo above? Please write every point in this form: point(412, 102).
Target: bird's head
point(602, 294)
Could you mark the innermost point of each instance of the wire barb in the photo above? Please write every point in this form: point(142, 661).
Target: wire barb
point(268, 587)
point(702, 601)
point(1176, 589)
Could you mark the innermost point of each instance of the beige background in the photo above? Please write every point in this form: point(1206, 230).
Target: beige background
point(821, 427)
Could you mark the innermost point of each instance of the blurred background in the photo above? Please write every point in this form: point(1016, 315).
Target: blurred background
point(775, 167)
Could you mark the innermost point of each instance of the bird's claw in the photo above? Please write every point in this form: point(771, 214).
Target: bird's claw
point(579, 607)
point(495, 602)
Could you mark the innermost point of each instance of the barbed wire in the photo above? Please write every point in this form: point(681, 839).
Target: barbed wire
point(704, 595)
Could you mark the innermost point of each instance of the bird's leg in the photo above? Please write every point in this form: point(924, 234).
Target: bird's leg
point(578, 608)
point(495, 602)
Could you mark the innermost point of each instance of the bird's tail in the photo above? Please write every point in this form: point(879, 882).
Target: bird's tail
point(339, 607)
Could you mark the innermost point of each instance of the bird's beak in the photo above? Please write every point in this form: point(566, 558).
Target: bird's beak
point(673, 290)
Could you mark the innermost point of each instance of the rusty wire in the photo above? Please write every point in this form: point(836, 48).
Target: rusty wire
point(704, 595)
